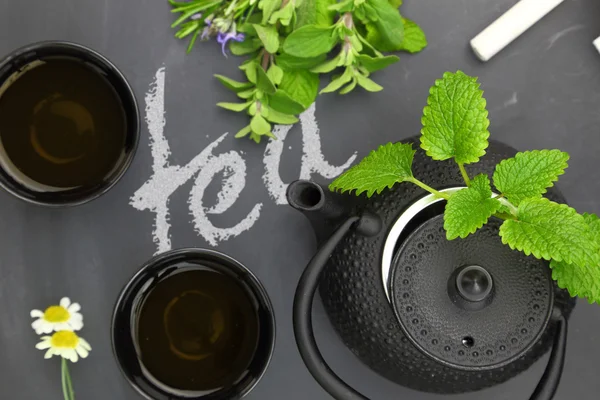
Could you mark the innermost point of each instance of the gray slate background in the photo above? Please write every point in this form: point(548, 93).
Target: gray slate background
point(88, 253)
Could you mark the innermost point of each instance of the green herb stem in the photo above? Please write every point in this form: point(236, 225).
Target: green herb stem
point(249, 13)
point(428, 188)
point(511, 207)
point(504, 216)
point(67, 384)
point(464, 174)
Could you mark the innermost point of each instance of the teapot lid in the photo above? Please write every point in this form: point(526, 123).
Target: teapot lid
point(470, 303)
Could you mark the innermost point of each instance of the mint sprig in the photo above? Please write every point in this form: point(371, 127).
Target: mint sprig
point(455, 127)
point(289, 44)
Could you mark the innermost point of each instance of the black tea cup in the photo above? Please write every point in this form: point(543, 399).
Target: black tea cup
point(193, 324)
point(69, 124)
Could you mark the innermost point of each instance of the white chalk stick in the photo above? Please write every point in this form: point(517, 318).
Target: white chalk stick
point(510, 26)
point(597, 44)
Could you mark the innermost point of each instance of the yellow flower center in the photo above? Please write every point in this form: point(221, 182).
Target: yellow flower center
point(56, 314)
point(65, 339)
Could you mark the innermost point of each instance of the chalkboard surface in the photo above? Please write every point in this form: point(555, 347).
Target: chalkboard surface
point(543, 92)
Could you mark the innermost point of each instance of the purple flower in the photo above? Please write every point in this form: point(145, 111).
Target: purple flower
point(206, 30)
point(205, 33)
point(223, 38)
point(196, 16)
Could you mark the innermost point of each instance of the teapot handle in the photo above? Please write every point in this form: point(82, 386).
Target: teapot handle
point(546, 388)
point(303, 329)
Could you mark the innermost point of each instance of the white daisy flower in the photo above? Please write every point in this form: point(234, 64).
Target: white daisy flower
point(65, 344)
point(64, 317)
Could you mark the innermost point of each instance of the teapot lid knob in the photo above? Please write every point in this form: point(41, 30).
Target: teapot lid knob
point(474, 283)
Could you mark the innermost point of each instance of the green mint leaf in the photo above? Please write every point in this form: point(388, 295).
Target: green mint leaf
point(469, 209)
point(529, 174)
point(255, 137)
point(314, 12)
point(268, 36)
point(275, 74)
point(328, 65)
point(301, 85)
point(550, 230)
point(414, 37)
point(389, 164)
point(350, 87)
point(246, 94)
point(395, 3)
point(580, 280)
point(249, 69)
point(386, 32)
point(248, 46)
point(310, 41)
point(286, 61)
point(282, 102)
point(370, 49)
point(233, 85)
point(367, 84)
point(259, 125)
point(280, 118)
point(263, 82)
point(268, 7)
point(455, 120)
point(360, 15)
point(373, 64)
point(337, 83)
point(284, 15)
point(370, 12)
point(237, 107)
point(248, 29)
point(243, 132)
point(342, 6)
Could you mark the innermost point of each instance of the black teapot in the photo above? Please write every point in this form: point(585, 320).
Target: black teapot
point(427, 313)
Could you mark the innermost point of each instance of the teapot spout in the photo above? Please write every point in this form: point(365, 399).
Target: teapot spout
point(323, 208)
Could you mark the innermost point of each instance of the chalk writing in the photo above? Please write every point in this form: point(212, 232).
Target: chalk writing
point(166, 178)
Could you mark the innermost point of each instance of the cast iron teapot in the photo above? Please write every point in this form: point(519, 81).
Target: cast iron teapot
point(427, 313)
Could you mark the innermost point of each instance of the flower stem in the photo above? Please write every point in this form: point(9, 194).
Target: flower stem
point(67, 384)
point(428, 188)
point(464, 174)
point(64, 378)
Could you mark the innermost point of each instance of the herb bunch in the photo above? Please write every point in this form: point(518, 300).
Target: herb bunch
point(455, 126)
point(289, 43)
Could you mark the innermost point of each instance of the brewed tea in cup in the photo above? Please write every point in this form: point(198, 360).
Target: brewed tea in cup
point(193, 324)
point(69, 123)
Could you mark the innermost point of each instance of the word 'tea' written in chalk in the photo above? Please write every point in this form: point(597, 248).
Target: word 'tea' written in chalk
point(203, 168)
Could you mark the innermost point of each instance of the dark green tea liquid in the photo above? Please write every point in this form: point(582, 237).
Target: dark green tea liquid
point(198, 331)
point(62, 125)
